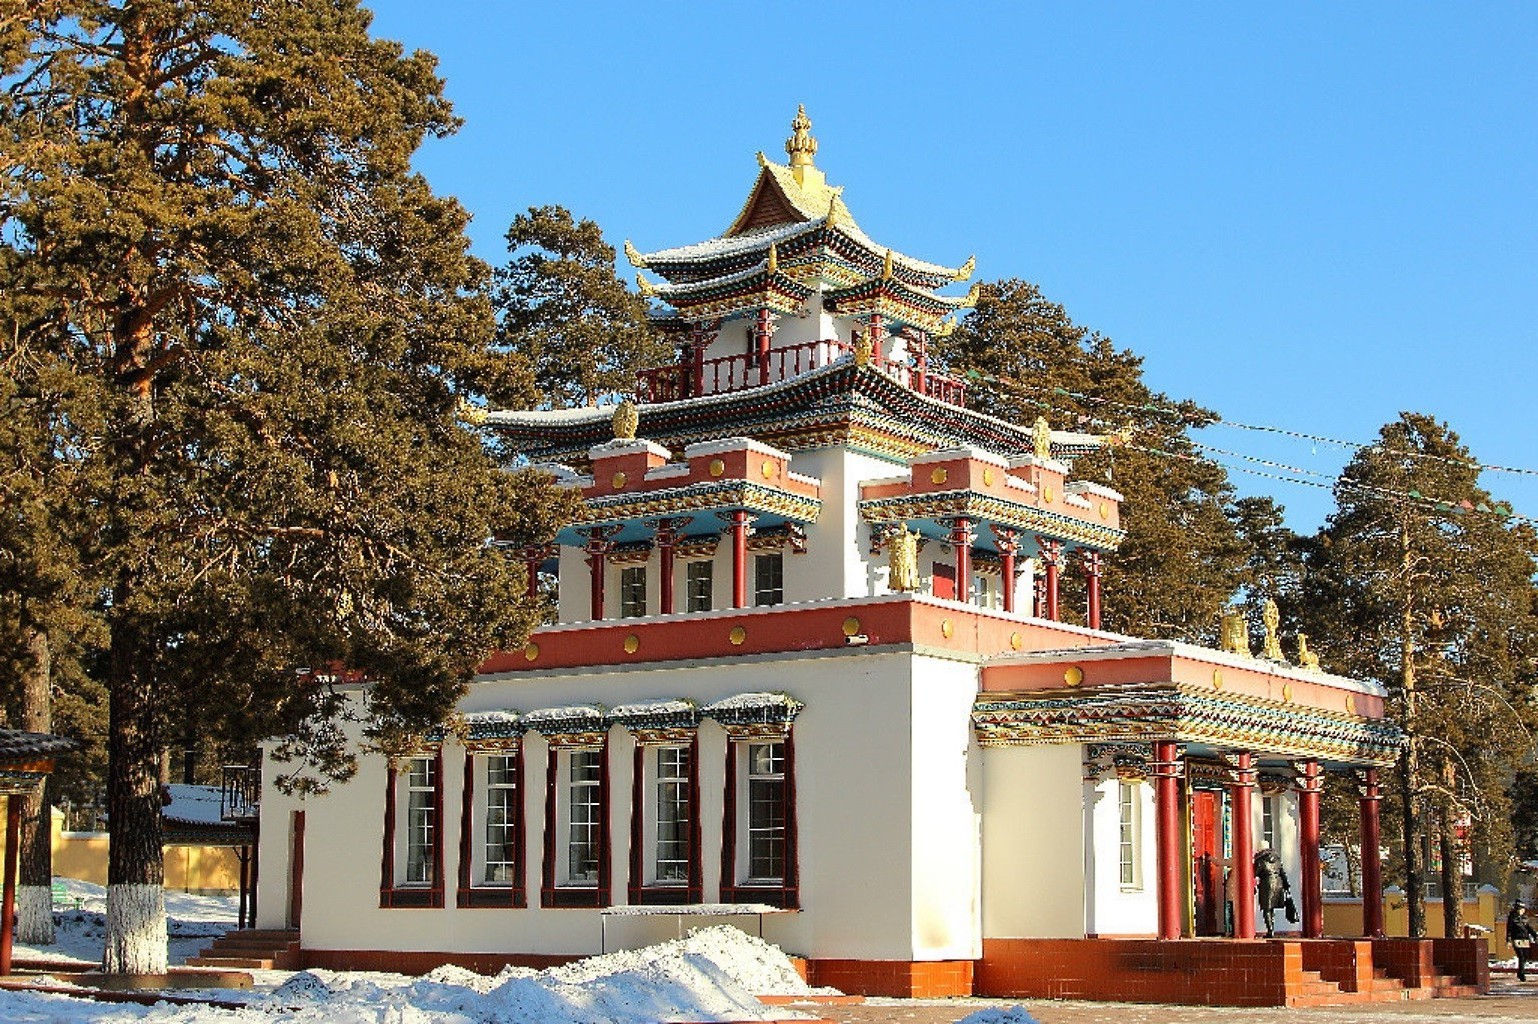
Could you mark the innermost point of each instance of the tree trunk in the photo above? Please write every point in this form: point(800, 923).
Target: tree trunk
point(1409, 760)
point(34, 891)
point(136, 922)
point(1452, 876)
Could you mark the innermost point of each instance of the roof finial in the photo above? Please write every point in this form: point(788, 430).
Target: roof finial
point(801, 146)
point(886, 266)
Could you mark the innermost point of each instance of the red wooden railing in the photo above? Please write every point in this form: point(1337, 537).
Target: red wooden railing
point(748, 370)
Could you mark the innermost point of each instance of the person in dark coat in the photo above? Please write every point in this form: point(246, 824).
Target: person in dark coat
point(1271, 887)
point(1519, 929)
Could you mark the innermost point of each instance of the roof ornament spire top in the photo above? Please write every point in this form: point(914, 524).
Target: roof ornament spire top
point(801, 146)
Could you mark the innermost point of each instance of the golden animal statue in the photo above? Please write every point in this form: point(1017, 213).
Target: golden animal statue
point(625, 421)
point(1235, 635)
point(1041, 437)
point(1272, 618)
point(1307, 658)
point(903, 560)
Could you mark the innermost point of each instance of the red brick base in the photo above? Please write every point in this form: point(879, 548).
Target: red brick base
point(914, 979)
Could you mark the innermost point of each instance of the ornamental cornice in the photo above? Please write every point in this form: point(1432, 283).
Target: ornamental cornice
point(1186, 715)
point(992, 509)
point(700, 497)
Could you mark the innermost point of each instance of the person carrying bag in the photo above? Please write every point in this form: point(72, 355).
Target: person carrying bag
point(1521, 936)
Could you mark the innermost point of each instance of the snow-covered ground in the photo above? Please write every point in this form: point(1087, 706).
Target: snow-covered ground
point(713, 974)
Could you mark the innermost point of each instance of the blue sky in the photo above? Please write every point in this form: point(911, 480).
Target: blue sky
point(1306, 216)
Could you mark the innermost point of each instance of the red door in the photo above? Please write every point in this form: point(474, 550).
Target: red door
point(944, 585)
point(1206, 861)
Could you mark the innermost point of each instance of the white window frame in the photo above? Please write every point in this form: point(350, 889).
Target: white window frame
point(418, 808)
point(1268, 821)
point(750, 830)
point(662, 778)
point(481, 862)
point(1129, 836)
point(567, 763)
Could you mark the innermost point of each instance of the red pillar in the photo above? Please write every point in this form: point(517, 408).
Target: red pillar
point(597, 549)
point(961, 540)
point(1092, 570)
point(921, 364)
point(667, 542)
point(1243, 867)
point(1372, 868)
point(1052, 562)
point(1309, 785)
point(763, 330)
point(877, 334)
point(1166, 775)
point(533, 555)
point(1009, 547)
point(739, 531)
point(8, 903)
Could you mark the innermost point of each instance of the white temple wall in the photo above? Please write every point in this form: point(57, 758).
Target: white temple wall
point(1033, 842)
point(946, 812)
point(838, 562)
point(1112, 907)
point(863, 845)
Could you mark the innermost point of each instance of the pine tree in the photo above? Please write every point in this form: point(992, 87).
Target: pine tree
point(1182, 558)
point(269, 322)
point(564, 314)
point(1418, 581)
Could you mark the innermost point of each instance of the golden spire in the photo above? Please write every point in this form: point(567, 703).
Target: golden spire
point(832, 213)
point(636, 259)
point(886, 266)
point(801, 146)
point(774, 259)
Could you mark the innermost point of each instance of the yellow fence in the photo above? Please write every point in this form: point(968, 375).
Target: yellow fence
point(1487, 910)
point(203, 869)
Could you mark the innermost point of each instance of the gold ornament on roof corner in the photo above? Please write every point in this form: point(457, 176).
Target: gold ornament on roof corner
point(903, 560)
point(774, 259)
point(946, 329)
point(965, 270)
point(886, 266)
point(763, 161)
point(626, 420)
point(636, 259)
point(801, 147)
point(465, 412)
point(1235, 636)
point(1272, 618)
point(832, 221)
point(1041, 438)
point(644, 287)
point(1307, 658)
point(973, 294)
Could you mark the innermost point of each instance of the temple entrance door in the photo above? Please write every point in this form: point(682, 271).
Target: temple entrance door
point(1207, 860)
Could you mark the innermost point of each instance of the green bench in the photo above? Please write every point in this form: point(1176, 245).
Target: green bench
point(62, 898)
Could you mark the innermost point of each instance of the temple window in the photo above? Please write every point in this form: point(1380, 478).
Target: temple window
point(1268, 822)
point(1129, 831)
point(674, 811)
point(632, 591)
point(584, 790)
point(769, 578)
point(982, 594)
point(501, 859)
point(421, 821)
point(765, 812)
point(700, 585)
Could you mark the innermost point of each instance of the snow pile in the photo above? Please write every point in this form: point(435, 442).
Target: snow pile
point(1000, 1015)
point(192, 921)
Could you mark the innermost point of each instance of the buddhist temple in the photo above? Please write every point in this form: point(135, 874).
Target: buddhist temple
point(808, 671)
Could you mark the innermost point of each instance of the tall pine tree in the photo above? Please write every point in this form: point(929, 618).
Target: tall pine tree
point(271, 321)
point(1419, 581)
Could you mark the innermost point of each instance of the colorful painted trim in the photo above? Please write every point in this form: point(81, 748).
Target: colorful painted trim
point(746, 710)
point(1185, 715)
point(702, 497)
point(991, 509)
point(657, 716)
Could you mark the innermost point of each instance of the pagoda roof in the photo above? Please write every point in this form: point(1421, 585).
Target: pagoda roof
point(839, 404)
point(788, 202)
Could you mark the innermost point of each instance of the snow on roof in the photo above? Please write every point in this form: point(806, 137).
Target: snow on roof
point(570, 718)
point(195, 805)
point(748, 241)
point(652, 707)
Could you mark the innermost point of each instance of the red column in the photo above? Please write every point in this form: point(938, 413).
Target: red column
point(1372, 868)
point(533, 555)
point(1052, 561)
point(877, 334)
point(961, 539)
point(921, 365)
point(739, 531)
point(597, 549)
point(1009, 547)
point(762, 332)
point(1309, 784)
point(8, 903)
point(667, 541)
point(1243, 866)
point(1092, 570)
point(1166, 772)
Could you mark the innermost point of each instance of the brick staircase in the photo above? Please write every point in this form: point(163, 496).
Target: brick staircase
point(252, 949)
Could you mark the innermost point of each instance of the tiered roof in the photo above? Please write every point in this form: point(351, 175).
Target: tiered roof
point(793, 236)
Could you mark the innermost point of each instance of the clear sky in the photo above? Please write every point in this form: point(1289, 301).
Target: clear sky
point(1307, 216)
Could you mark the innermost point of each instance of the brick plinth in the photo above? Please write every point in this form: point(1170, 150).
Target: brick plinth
point(914, 979)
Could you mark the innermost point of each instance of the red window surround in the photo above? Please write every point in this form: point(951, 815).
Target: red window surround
point(640, 893)
point(787, 894)
point(470, 894)
point(415, 896)
point(573, 896)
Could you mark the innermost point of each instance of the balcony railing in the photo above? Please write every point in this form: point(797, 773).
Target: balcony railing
point(750, 370)
point(240, 792)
